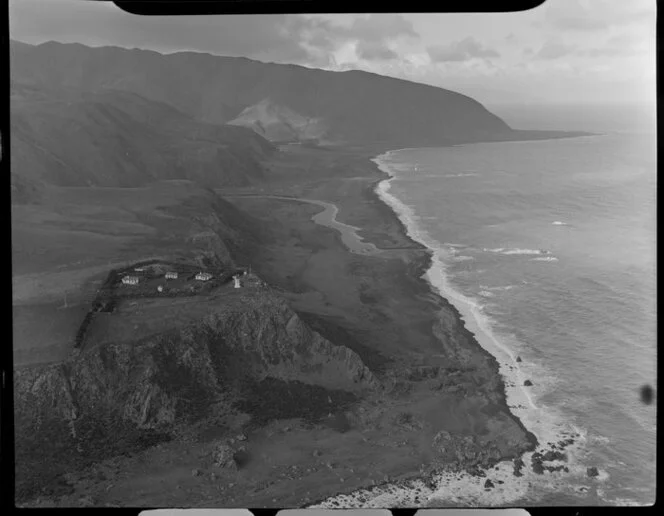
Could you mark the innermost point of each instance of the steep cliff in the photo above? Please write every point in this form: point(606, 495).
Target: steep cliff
point(115, 396)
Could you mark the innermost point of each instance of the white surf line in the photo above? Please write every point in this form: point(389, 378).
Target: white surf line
point(546, 426)
point(469, 311)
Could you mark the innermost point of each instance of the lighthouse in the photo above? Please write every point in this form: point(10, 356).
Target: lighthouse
point(236, 279)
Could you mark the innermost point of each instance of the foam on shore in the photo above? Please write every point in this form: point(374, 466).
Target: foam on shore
point(461, 489)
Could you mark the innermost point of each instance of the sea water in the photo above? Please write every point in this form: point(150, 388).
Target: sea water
point(547, 248)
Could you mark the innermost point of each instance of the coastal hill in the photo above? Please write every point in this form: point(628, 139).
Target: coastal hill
point(110, 138)
point(352, 106)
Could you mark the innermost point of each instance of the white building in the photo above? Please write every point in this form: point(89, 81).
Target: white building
point(171, 275)
point(130, 280)
point(236, 279)
point(160, 288)
point(203, 276)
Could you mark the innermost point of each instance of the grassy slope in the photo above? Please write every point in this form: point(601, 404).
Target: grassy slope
point(67, 137)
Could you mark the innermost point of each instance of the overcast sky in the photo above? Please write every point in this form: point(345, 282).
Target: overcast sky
point(563, 51)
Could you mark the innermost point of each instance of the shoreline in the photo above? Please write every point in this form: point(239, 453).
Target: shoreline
point(413, 487)
point(435, 263)
point(510, 393)
point(403, 327)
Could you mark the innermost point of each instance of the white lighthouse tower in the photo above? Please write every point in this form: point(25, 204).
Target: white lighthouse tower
point(236, 279)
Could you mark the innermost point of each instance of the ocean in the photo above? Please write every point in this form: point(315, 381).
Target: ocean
point(547, 249)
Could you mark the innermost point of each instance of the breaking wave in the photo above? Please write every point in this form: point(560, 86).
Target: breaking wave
point(509, 251)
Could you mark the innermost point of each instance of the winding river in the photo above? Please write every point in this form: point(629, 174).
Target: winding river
point(328, 218)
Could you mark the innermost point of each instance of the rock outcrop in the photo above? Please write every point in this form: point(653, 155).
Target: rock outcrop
point(156, 381)
point(119, 396)
point(470, 452)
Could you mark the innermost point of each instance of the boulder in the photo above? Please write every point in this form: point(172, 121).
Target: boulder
point(518, 359)
point(536, 463)
point(592, 471)
point(554, 455)
point(488, 484)
point(527, 383)
point(223, 456)
point(518, 466)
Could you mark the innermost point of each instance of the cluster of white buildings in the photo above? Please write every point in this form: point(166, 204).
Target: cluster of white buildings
point(169, 275)
point(130, 280)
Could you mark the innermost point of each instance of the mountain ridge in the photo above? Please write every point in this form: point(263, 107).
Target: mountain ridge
point(72, 137)
point(356, 106)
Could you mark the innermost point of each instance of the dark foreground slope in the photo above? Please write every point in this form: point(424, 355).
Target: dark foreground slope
point(155, 368)
point(351, 106)
point(346, 371)
point(72, 137)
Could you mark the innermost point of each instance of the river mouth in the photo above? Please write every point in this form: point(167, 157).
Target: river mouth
point(328, 218)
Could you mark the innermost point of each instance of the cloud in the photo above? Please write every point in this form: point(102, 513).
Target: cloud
point(581, 24)
point(372, 35)
point(598, 15)
point(374, 52)
point(300, 39)
point(382, 27)
point(553, 50)
point(463, 50)
point(620, 45)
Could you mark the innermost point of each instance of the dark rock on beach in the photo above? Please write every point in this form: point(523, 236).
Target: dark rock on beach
point(466, 452)
point(518, 466)
point(488, 484)
point(554, 455)
point(224, 456)
point(592, 471)
point(528, 383)
point(536, 463)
